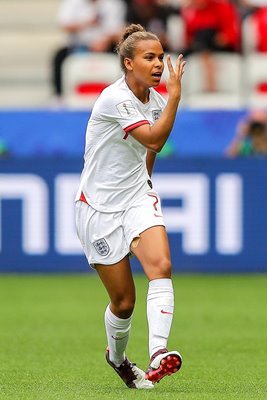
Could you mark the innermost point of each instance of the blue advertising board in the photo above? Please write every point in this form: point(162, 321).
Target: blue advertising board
point(61, 133)
point(215, 212)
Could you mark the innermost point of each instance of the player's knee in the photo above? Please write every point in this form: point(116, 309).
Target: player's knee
point(162, 268)
point(124, 307)
point(165, 267)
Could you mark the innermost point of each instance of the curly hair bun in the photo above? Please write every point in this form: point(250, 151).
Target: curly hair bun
point(129, 30)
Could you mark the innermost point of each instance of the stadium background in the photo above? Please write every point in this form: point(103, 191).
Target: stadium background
point(52, 339)
point(215, 207)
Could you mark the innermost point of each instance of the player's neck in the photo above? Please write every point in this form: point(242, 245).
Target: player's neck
point(141, 92)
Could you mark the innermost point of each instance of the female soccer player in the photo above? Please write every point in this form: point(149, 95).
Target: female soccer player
point(117, 210)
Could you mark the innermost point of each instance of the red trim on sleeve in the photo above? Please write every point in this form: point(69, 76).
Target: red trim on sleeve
point(135, 125)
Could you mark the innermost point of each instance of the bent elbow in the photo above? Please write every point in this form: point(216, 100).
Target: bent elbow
point(158, 150)
point(155, 147)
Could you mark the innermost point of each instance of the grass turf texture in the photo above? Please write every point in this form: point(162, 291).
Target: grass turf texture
point(52, 339)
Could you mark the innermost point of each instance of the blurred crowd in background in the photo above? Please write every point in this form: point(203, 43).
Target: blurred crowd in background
point(202, 27)
point(226, 40)
point(208, 26)
point(55, 54)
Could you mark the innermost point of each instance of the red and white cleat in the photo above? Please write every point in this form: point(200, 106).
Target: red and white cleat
point(163, 363)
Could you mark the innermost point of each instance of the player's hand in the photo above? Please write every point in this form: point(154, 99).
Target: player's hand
point(173, 83)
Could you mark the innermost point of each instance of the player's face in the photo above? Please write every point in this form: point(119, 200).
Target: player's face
point(147, 64)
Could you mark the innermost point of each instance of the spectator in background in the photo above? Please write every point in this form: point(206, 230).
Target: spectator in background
point(251, 136)
point(259, 28)
point(210, 26)
point(247, 7)
point(91, 25)
point(153, 15)
point(4, 151)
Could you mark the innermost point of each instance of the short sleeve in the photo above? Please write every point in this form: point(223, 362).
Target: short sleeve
point(119, 108)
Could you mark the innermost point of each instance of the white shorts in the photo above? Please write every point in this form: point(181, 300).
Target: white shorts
point(106, 237)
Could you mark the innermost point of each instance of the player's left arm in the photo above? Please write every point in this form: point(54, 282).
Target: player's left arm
point(150, 161)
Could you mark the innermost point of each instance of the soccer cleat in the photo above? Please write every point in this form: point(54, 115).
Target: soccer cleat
point(131, 375)
point(163, 363)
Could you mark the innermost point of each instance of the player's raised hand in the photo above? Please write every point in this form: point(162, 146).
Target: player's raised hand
point(173, 83)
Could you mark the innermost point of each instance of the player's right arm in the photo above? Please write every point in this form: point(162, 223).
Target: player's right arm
point(154, 137)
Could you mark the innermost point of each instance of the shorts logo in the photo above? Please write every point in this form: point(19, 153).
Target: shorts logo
point(101, 247)
point(126, 109)
point(156, 114)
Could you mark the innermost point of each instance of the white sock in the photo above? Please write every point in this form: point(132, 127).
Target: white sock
point(160, 308)
point(117, 331)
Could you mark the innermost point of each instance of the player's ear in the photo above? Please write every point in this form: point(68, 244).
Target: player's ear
point(128, 62)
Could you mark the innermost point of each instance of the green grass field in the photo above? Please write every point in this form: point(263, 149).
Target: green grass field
point(52, 339)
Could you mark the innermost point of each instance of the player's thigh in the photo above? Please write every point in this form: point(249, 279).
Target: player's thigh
point(153, 252)
point(145, 232)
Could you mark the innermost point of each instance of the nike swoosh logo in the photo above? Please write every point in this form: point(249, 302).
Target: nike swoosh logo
point(118, 338)
point(165, 312)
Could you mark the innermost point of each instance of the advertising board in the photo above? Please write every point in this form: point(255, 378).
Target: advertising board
point(215, 212)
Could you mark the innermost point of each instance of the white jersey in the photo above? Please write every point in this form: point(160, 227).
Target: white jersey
point(115, 173)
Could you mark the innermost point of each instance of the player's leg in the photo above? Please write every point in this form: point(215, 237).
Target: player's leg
point(103, 241)
point(153, 253)
point(118, 281)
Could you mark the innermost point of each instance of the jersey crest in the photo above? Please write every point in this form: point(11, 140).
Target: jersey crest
point(156, 114)
point(101, 247)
